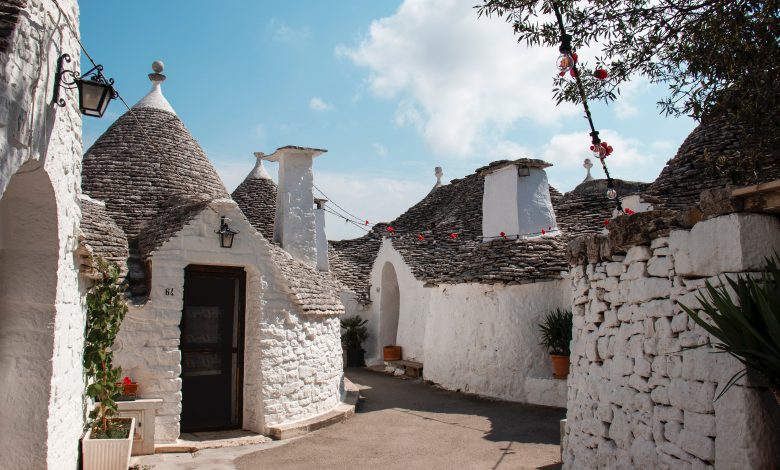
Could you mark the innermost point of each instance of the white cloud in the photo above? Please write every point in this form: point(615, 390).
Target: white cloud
point(317, 104)
point(461, 80)
point(380, 149)
point(631, 160)
point(279, 31)
point(378, 199)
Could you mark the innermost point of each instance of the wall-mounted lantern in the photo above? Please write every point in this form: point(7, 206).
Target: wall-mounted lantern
point(95, 92)
point(226, 234)
point(523, 171)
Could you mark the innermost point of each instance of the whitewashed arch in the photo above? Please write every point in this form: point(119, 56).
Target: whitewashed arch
point(389, 306)
point(29, 252)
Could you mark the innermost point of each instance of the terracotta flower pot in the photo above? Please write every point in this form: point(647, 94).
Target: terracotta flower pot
point(560, 366)
point(392, 353)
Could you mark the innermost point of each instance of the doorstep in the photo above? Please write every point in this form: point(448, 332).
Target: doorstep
point(195, 441)
point(341, 412)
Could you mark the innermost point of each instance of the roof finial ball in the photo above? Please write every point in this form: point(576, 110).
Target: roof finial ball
point(157, 67)
point(439, 173)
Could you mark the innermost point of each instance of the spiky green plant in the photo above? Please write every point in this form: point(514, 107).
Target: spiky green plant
point(555, 331)
point(747, 325)
point(354, 334)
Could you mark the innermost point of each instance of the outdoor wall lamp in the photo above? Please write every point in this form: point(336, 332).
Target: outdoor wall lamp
point(226, 234)
point(94, 93)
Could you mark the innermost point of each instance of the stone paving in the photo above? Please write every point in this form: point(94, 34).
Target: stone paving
point(403, 424)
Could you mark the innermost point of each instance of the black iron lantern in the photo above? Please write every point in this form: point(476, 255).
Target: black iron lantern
point(95, 92)
point(226, 234)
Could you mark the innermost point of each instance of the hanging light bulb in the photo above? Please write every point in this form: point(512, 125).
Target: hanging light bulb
point(564, 63)
point(611, 193)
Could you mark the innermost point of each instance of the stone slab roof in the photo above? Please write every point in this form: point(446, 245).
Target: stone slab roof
point(457, 208)
point(144, 159)
point(257, 199)
point(314, 292)
point(710, 157)
point(102, 234)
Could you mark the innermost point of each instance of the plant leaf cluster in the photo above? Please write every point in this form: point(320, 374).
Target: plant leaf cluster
point(713, 55)
point(746, 324)
point(555, 330)
point(106, 308)
point(354, 334)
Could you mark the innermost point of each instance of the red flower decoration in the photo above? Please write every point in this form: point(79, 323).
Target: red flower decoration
point(606, 222)
point(573, 73)
point(390, 229)
point(366, 222)
point(420, 237)
point(453, 236)
point(601, 74)
point(561, 74)
point(549, 228)
point(574, 56)
point(628, 211)
point(127, 381)
point(543, 232)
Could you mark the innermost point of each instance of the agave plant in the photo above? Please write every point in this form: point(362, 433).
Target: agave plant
point(555, 331)
point(748, 328)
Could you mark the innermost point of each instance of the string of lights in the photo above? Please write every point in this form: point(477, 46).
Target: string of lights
point(567, 62)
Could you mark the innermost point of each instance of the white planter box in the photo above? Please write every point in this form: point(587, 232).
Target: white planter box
point(107, 454)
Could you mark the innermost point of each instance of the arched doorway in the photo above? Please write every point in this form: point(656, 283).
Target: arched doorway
point(389, 307)
point(29, 247)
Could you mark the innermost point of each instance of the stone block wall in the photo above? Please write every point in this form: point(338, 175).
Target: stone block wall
point(42, 295)
point(638, 396)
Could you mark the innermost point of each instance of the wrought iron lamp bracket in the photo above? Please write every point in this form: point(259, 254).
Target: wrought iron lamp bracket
point(69, 79)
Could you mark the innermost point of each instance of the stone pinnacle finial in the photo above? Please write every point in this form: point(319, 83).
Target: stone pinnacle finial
point(587, 165)
point(157, 67)
point(439, 173)
point(259, 171)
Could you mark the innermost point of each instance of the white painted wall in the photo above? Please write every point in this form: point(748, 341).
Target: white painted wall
point(516, 204)
point(293, 365)
point(635, 203)
point(413, 308)
point(478, 338)
point(294, 226)
point(41, 299)
point(323, 263)
point(484, 339)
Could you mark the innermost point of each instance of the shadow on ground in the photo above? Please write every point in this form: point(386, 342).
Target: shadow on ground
point(404, 424)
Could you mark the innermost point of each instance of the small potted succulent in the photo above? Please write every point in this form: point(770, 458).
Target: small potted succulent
point(109, 439)
point(555, 331)
point(352, 338)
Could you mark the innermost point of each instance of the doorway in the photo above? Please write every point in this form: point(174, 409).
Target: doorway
point(389, 307)
point(212, 348)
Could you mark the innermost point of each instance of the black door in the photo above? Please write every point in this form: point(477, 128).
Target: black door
point(212, 345)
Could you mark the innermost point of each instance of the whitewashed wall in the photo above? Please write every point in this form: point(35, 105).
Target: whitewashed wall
point(292, 362)
point(516, 204)
point(41, 299)
point(478, 338)
point(484, 339)
point(413, 309)
point(637, 397)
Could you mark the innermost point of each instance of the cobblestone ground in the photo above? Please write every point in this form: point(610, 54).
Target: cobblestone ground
point(403, 424)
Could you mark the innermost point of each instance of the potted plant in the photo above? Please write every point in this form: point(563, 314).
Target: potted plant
point(352, 338)
point(748, 329)
point(128, 390)
point(555, 330)
point(109, 440)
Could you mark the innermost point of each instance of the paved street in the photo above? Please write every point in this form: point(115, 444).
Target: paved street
point(408, 425)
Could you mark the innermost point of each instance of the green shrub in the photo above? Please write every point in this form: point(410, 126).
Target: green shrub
point(106, 308)
point(748, 328)
point(354, 334)
point(555, 330)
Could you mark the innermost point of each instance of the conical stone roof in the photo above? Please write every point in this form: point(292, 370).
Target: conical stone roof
point(146, 159)
point(256, 196)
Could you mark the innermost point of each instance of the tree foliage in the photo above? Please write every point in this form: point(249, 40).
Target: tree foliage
point(714, 55)
point(106, 308)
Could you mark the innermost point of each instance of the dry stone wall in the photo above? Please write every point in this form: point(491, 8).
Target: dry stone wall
point(638, 396)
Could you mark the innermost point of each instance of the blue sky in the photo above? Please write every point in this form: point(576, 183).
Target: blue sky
point(391, 89)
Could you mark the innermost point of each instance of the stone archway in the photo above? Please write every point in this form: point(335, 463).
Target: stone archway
point(29, 247)
point(389, 307)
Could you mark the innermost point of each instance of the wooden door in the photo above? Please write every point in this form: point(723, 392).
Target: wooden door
point(212, 345)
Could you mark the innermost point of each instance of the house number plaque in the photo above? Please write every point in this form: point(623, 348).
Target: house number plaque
point(169, 291)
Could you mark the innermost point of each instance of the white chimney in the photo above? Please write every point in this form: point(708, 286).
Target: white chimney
point(294, 225)
point(516, 200)
point(322, 240)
